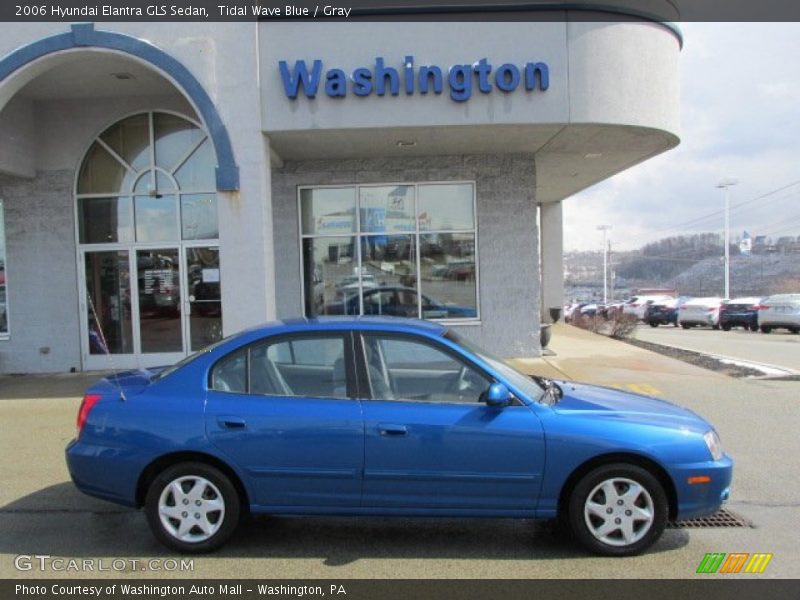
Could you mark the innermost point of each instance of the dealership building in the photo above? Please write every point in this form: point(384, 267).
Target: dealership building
point(163, 185)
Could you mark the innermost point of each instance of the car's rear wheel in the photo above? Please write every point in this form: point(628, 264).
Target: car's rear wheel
point(765, 329)
point(653, 323)
point(685, 325)
point(618, 510)
point(726, 328)
point(715, 327)
point(192, 507)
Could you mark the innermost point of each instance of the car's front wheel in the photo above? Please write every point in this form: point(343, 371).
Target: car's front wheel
point(192, 507)
point(618, 510)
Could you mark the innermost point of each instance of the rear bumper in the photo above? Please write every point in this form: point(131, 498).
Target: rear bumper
point(99, 471)
point(702, 499)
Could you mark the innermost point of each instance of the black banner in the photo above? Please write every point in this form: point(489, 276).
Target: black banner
point(359, 589)
point(396, 10)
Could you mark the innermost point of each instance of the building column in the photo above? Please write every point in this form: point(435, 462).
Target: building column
point(552, 252)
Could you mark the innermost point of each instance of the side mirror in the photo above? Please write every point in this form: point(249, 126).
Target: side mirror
point(497, 395)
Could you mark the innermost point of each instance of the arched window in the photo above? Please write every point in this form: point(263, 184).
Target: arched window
point(148, 241)
point(148, 178)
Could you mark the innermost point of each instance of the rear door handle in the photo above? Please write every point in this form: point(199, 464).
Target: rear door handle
point(231, 422)
point(392, 430)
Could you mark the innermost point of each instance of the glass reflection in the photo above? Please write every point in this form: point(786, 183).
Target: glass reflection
point(328, 274)
point(105, 220)
point(101, 173)
point(447, 207)
point(109, 292)
point(328, 211)
point(174, 137)
point(158, 276)
point(130, 139)
point(199, 217)
point(387, 209)
point(156, 218)
point(447, 271)
point(205, 318)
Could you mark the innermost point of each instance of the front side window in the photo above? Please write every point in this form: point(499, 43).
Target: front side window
point(404, 250)
point(404, 369)
point(303, 366)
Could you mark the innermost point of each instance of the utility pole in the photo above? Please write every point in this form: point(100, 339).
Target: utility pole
point(604, 229)
point(727, 183)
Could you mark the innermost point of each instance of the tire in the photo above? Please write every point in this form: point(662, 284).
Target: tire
point(684, 325)
point(794, 330)
point(765, 329)
point(727, 328)
point(716, 327)
point(205, 489)
point(653, 323)
point(638, 519)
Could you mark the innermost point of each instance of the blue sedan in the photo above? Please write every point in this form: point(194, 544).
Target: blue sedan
point(384, 416)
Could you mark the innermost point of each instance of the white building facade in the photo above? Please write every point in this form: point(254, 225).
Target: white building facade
point(163, 187)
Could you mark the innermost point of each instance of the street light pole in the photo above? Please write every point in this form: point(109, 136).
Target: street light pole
point(604, 229)
point(726, 184)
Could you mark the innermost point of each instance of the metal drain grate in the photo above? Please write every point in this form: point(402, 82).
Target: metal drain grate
point(723, 518)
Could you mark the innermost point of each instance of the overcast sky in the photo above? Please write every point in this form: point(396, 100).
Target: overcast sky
point(740, 117)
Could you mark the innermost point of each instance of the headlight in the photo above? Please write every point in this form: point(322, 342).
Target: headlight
point(714, 445)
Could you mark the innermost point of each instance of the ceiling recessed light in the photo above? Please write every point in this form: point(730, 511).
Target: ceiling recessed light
point(593, 155)
point(122, 76)
point(406, 144)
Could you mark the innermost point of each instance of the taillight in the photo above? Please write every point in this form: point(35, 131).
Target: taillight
point(89, 400)
point(761, 307)
point(635, 305)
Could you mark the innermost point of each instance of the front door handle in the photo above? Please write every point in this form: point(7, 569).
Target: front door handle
point(227, 422)
point(392, 430)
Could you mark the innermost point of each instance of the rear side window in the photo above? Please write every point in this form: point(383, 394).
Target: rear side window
point(302, 366)
point(230, 374)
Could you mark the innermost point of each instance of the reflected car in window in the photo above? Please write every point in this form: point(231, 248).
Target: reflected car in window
point(383, 416)
point(399, 302)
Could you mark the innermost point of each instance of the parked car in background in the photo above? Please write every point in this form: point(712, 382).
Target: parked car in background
point(637, 305)
point(700, 312)
point(780, 311)
point(739, 312)
point(573, 311)
point(396, 301)
point(664, 312)
point(387, 417)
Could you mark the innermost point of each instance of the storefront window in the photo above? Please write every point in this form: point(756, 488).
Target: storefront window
point(3, 282)
point(398, 250)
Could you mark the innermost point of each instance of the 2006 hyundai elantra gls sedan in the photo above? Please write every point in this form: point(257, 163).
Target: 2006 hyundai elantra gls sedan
point(383, 416)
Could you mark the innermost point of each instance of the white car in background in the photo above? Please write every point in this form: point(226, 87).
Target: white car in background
point(700, 312)
point(780, 311)
point(637, 305)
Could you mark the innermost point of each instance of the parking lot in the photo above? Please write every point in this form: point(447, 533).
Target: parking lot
point(779, 348)
point(41, 513)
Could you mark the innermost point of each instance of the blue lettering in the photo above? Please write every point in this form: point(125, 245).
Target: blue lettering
point(507, 77)
point(460, 80)
point(362, 82)
point(483, 68)
point(409, 74)
point(531, 69)
point(425, 74)
point(381, 73)
point(336, 83)
point(300, 75)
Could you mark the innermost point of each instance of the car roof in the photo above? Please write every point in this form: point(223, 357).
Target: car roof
point(744, 300)
point(339, 323)
point(704, 301)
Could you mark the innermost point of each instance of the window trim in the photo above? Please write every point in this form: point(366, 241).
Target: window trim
point(363, 375)
point(358, 234)
point(5, 335)
point(352, 383)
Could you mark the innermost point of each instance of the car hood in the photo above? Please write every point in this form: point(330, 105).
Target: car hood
point(617, 404)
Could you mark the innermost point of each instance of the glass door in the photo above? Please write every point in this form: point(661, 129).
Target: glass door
point(203, 294)
point(158, 278)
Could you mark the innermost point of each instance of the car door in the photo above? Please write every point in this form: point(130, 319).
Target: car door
point(431, 444)
point(284, 411)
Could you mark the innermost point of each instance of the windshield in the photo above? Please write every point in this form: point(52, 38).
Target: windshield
point(522, 382)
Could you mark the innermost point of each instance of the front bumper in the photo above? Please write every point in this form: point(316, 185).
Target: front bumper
point(702, 499)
